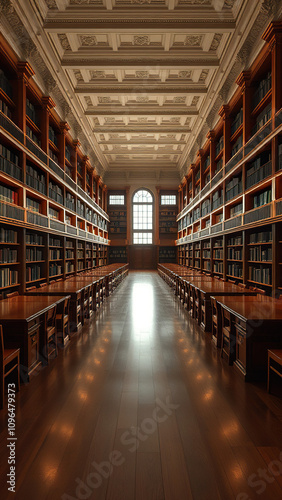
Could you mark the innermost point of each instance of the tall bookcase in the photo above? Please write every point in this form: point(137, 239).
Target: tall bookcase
point(118, 226)
point(46, 213)
point(230, 200)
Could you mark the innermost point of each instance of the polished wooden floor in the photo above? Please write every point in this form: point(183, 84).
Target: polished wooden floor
point(140, 406)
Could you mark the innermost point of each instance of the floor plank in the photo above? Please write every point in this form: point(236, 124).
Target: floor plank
point(140, 406)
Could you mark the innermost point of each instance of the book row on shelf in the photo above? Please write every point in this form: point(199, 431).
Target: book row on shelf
point(8, 255)
point(259, 253)
point(55, 254)
point(8, 235)
point(34, 132)
point(235, 270)
point(8, 195)
point(55, 270)
point(33, 205)
point(33, 254)
point(8, 277)
point(45, 256)
point(234, 254)
point(246, 145)
point(5, 109)
point(167, 254)
point(253, 256)
point(261, 237)
point(260, 274)
point(33, 273)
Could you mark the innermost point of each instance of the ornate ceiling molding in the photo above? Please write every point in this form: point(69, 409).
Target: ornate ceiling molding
point(139, 81)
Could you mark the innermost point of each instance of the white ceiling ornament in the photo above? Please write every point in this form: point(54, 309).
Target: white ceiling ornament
point(193, 40)
point(184, 74)
point(78, 75)
point(216, 41)
point(203, 75)
point(142, 99)
point(179, 99)
point(104, 100)
point(195, 100)
point(97, 74)
point(141, 40)
point(88, 100)
point(88, 40)
point(51, 4)
point(64, 41)
point(142, 74)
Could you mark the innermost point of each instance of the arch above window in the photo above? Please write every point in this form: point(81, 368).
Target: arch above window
point(142, 203)
point(143, 196)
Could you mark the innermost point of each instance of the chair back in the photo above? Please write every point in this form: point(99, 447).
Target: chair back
point(51, 318)
point(13, 294)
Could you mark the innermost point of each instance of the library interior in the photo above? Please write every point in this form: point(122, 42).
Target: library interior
point(141, 249)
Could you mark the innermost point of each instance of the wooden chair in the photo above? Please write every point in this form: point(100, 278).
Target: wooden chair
point(258, 290)
point(215, 318)
point(86, 302)
point(51, 333)
point(228, 339)
point(232, 281)
point(9, 362)
point(13, 294)
point(90, 301)
point(31, 288)
point(242, 285)
point(62, 321)
point(42, 285)
point(197, 305)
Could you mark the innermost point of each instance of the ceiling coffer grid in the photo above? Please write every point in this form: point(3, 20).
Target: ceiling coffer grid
point(143, 74)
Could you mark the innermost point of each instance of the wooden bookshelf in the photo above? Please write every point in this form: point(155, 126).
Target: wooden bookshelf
point(40, 195)
point(117, 254)
point(242, 199)
point(167, 254)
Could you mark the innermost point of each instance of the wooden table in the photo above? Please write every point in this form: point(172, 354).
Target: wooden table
point(96, 285)
point(257, 326)
point(24, 325)
point(187, 290)
point(205, 288)
point(71, 287)
point(185, 276)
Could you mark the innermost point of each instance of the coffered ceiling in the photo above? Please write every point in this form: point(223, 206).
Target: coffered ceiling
point(142, 78)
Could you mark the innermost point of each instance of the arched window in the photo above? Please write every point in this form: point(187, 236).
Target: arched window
point(142, 217)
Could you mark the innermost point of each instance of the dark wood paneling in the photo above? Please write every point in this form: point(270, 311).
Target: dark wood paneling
point(142, 256)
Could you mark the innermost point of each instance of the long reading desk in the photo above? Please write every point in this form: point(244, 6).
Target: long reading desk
point(24, 325)
point(249, 326)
